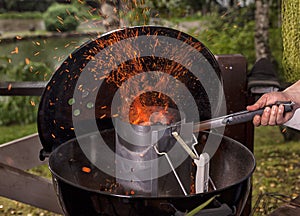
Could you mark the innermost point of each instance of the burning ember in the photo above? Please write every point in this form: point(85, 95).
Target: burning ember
point(142, 114)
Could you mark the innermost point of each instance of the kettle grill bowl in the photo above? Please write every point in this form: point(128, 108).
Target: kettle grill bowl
point(79, 193)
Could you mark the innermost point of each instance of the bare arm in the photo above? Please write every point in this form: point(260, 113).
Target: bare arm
point(275, 115)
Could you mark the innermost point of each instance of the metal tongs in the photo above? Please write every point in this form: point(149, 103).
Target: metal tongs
point(238, 117)
point(202, 178)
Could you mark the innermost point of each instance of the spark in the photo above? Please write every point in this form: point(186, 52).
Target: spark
point(15, 51)
point(9, 87)
point(86, 169)
point(59, 18)
point(32, 103)
point(27, 61)
point(103, 116)
point(68, 12)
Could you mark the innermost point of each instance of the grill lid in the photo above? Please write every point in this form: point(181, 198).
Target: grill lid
point(84, 87)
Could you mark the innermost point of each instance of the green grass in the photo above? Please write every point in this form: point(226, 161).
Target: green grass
point(16, 131)
point(277, 170)
point(23, 15)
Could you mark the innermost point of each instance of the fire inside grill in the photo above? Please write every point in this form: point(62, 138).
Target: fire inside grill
point(118, 117)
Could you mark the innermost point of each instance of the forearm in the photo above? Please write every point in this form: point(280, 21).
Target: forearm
point(293, 92)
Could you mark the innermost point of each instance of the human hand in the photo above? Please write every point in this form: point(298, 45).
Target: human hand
point(274, 115)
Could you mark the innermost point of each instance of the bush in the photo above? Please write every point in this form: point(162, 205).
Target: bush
point(229, 38)
point(61, 17)
point(27, 5)
point(234, 33)
point(138, 16)
point(171, 8)
point(21, 109)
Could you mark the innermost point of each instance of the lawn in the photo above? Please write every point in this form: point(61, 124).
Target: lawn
point(277, 172)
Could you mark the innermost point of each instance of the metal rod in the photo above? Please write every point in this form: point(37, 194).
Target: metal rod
point(212, 183)
point(24, 88)
point(184, 145)
point(194, 144)
point(172, 167)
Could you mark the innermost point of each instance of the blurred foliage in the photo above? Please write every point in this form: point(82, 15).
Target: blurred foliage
point(16, 131)
point(61, 17)
point(230, 33)
point(139, 15)
point(233, 33)
point(275, 13)
point(181, 8)
point(171, 8)
point(28, 5)
point(277, 171)
point(24, 15)
point(291, 39)
point(276, 46)
point(21, 109)
point(87, 9)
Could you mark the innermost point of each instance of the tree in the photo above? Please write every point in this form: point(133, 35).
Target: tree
point(110, 10)
point(262, 29)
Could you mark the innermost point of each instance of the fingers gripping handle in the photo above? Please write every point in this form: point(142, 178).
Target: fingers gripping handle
point(246, 116)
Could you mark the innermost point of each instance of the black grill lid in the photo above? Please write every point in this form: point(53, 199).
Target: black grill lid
point(103, 62)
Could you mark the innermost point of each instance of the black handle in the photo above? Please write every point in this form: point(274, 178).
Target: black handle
point(246, 116)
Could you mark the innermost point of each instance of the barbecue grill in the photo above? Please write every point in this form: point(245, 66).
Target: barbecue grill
point(108, 119)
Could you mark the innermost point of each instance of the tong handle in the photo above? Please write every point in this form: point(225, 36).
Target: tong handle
point(246, 116)
point(202, 173)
